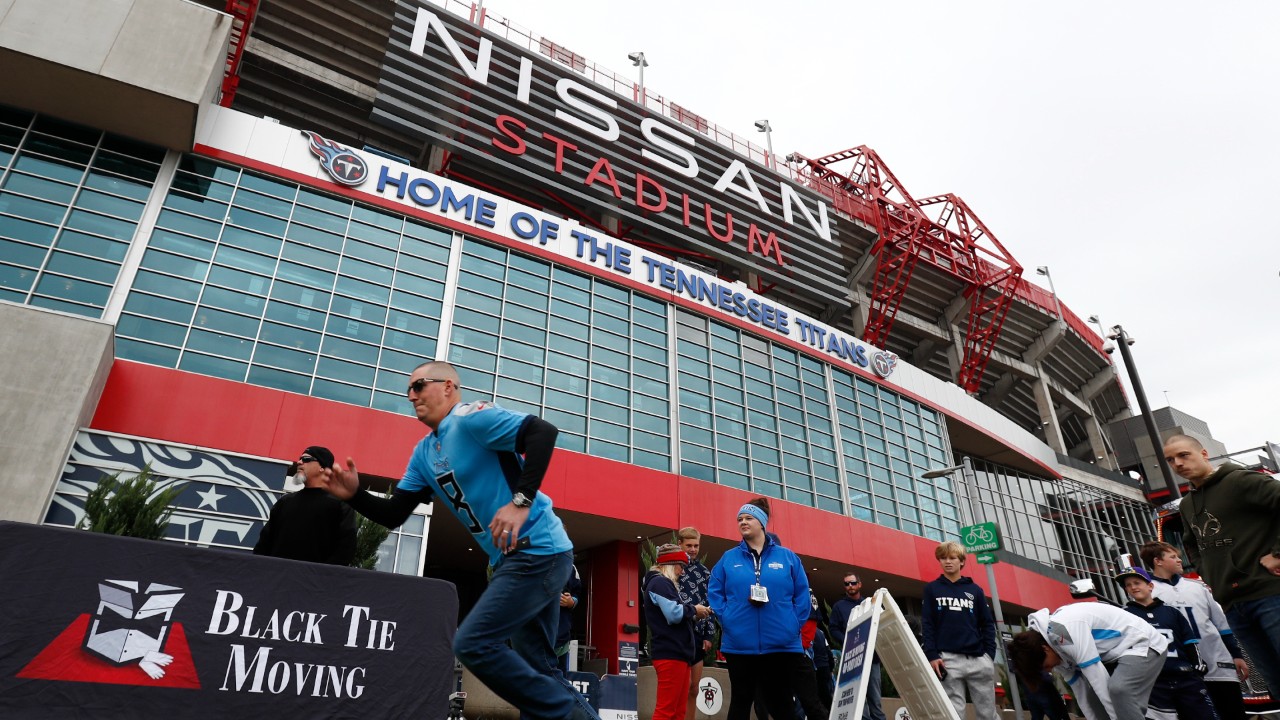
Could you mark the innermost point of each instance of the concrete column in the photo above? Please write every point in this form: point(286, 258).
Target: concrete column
point(1097, 445)
point(1044, 404)
point(615, 595)
point(53, 368)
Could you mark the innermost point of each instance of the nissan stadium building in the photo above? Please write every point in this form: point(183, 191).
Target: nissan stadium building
point(230, 230)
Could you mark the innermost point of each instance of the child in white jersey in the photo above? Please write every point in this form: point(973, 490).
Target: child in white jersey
point(1117, 655)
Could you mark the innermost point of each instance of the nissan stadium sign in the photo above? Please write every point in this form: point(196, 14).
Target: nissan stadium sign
point(308, 156)
point(544, 126)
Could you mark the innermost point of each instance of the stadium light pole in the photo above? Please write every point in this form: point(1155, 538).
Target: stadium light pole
point(970, 480)
point(764, 127)
point(1123, 341)
point(1044, 270)
point(637, 59)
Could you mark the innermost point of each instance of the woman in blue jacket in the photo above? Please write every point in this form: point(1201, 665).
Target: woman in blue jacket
point(760, 593)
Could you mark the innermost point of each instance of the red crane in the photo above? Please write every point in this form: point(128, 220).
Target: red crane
point(242, 13)
point(941, 230)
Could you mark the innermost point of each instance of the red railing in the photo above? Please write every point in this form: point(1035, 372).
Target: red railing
point(625, 86)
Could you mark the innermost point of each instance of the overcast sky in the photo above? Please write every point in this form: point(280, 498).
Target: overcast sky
point(1131, 147)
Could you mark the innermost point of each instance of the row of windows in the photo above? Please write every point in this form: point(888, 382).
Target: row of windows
point(588, 356)
point(228, 291)
point(70, 201)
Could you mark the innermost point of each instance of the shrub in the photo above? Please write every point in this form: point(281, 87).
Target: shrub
point(133, 507)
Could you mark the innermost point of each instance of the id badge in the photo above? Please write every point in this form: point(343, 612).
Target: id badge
point(759, 593)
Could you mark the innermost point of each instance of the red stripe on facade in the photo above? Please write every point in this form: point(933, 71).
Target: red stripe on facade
point(182, 407)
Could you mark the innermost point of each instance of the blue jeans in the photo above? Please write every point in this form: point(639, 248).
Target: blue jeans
point(871, 709)
point(522, 604)
point(1256, 624)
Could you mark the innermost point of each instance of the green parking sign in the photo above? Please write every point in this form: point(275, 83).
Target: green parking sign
point(983, 537)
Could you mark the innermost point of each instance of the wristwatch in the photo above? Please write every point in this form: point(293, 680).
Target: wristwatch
point(521, 500)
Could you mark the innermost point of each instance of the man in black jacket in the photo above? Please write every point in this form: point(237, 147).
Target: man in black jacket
point(310, 524)
point(1231, 521)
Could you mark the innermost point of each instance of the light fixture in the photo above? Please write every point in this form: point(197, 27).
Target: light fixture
point(637, 59)
point(942, 472)
point(764, 127)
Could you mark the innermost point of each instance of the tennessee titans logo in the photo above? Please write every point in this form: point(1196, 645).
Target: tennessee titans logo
point(883, 362)
point(342, 163)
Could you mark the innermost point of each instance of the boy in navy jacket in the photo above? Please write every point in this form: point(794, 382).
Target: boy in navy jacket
point(1179, 692)
point(960, 635)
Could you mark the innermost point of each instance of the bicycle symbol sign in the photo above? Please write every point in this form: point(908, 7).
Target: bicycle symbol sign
point(982, 537)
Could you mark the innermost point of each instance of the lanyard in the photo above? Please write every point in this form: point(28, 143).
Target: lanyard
point(756, 559)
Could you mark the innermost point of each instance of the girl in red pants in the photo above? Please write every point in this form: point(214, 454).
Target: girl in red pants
point(671, 638)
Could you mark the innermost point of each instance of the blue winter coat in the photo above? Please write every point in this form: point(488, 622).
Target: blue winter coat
point(773, 627)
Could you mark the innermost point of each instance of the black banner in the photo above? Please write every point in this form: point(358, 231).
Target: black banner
point(107, 627)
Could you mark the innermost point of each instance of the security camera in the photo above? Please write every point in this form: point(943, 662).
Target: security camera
point(763, 126)
point(1108, 348)
point(637, 59)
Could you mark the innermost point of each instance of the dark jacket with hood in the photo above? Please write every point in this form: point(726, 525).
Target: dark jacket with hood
point(956, 619)
point(1230, 522)
point(670, 621)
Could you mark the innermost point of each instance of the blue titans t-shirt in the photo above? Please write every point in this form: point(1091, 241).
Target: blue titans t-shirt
point(471, 463)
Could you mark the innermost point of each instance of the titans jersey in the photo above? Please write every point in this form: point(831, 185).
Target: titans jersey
point(1086, 635)
point(1193, 599)
point(470, 462)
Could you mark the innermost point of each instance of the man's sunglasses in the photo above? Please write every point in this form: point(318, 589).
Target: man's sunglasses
point(306, 459)
point(854, 582)
point(418, 385)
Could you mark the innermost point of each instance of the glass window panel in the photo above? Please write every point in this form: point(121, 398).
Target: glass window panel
point(345, 371)
point(331, 390)
point(80, 291)
point(290, 336)
point(31, 256)
point(321, 201)
point(31, 232)
point(244, 260)
point(264, 244)
point(186, 245)
point(473, 359)
point(117, 185)
point(291, 359)
point(279, 379)
point(216, 320)
point(167, 286)
point(215, 366)
point(146, 352)
point(354, 329)
point(370, 253)
point(39, 187)
point(99, 202)
point(239, 280)
point(32, 208)
point(49, 167)
point(220, 344)
point(189, 224)
point(347, 349)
